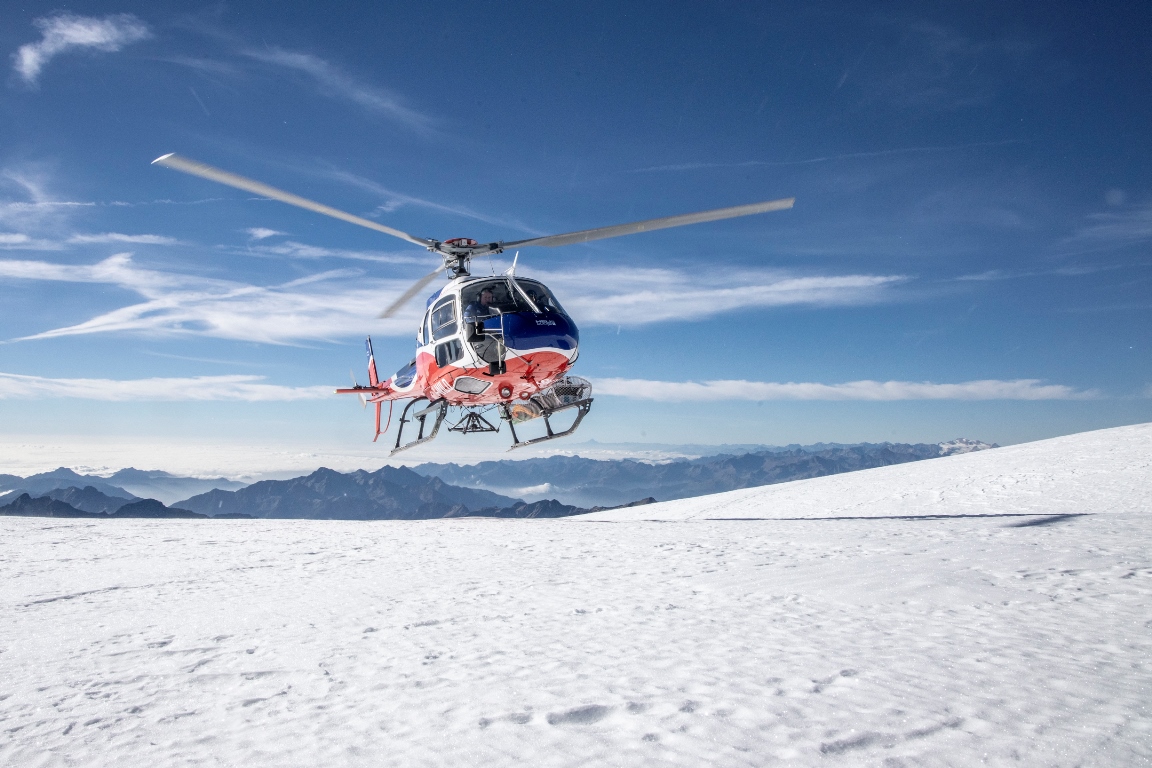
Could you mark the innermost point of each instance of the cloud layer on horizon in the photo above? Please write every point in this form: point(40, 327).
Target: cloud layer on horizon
point(251, 388)
point(988, 389)
point(240, 387)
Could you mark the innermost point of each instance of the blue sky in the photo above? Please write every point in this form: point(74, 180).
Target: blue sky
point(968, 254)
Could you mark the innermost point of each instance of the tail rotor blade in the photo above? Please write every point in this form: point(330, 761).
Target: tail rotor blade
point(356, 385)
point(418, 286)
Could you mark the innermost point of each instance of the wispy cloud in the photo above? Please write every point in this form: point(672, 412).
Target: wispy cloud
point(990, 389)
point(245, 388)
point(202, 65)
point(65, 32)
point(117, 237)
point(34, 208)
point(17, 241)
point(396, 200)
point(324, 306)
point(335, 82)
point(342, 303)
point(934, 67)
point(633, 296)
point(263, 233)
point(295, 250)
point(1130, 224)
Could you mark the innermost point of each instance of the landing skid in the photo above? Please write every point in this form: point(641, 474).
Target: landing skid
point(584, 406)
point(439, 409)
point(565, 394)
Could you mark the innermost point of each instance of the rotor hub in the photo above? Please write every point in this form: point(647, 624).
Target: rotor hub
point(458, 251)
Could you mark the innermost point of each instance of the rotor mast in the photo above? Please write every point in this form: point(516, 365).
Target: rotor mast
point(458, 252)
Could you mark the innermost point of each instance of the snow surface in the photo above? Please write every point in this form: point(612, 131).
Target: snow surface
point(1109, 470)
point(886, 627)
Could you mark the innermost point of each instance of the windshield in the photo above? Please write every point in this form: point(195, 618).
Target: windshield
point(486, 298)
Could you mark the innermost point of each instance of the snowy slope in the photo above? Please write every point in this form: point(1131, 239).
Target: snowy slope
point(887, 637)
point(1109, 470)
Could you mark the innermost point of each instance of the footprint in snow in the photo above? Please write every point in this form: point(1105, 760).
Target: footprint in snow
point(580, 716)
point(519, 718)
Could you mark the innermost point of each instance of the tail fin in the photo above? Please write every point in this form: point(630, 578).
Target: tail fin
point(373, 378)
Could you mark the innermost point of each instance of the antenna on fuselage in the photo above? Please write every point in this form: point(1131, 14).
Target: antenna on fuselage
point(511, 271)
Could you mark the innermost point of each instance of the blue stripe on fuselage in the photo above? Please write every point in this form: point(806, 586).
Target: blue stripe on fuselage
point(529, 330)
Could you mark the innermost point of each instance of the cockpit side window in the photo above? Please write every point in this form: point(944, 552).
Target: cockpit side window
point(443, 318)
point(487, 298)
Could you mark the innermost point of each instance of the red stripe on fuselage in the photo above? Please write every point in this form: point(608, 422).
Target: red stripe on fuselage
point(524, 376)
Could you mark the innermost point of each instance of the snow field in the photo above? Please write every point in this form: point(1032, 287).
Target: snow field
point(892, 641)
point(1109, 470)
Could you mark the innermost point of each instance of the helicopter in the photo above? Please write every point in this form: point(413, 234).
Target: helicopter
point(499, 344)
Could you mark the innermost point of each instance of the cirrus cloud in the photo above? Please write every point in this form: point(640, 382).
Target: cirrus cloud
point(634, 296)
point(323, 306)
point(334, 82)
point(343, 303)
point(118, 237)
point(67, 31)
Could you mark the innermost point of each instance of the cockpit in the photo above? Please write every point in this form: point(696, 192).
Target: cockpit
point(501, 296)
point(491, 316)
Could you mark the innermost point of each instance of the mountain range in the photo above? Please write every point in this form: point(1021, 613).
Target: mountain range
point(389, 493)
point(25, 505)
point(547, 487)
point(593, 482)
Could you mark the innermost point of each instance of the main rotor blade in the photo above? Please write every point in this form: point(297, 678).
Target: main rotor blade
point(418, 286)
point(585, 235)
point(178, 163)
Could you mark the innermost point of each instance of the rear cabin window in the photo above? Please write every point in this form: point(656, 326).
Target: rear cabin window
point(448, 352)
point(444, 318)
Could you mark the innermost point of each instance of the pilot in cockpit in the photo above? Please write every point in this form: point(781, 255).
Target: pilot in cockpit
point(484, 306)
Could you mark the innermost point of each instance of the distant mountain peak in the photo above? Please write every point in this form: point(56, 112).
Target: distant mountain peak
point(964, 445)
point(26, 506)
point(60, 473)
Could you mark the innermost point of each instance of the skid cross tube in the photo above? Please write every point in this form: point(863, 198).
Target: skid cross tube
point(473, 422)
point(440, 407)
point(584, 406)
